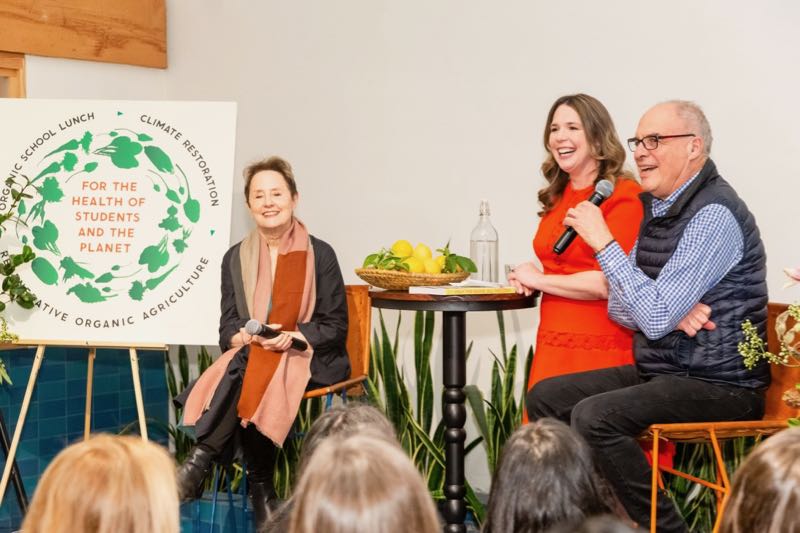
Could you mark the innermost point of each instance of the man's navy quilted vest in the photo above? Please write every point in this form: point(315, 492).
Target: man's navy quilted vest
point(741, 294)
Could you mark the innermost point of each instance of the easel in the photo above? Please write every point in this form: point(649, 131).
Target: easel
point(37, 363)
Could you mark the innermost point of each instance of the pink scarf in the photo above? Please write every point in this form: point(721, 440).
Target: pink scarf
point(277, 409)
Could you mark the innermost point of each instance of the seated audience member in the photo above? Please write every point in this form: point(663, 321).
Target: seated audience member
point(765, 496)
point(361, 483)
point(698, 257)
point(107, 484)
point(545, 477)
point(343, 421)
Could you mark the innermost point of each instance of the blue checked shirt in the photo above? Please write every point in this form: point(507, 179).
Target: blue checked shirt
point(710, 246)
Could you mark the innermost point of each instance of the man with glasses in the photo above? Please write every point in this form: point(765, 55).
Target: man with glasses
point(699, 257)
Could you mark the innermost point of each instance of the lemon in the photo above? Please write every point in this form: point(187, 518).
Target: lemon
point(432, 266)
point(414, 264)
point(422, 252)
point(440, 260)
point(402, 248)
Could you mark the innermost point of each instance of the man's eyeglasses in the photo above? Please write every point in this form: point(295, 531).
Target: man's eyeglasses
point(651, 141)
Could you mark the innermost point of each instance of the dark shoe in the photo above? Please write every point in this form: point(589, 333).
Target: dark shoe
point(263, 500)
point(192, 473)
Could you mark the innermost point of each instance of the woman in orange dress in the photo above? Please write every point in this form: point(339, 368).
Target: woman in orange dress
point(575, 332)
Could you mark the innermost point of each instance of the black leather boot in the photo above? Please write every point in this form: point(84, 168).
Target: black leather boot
point(263, 500)
point(192, 473)
point(259, 455)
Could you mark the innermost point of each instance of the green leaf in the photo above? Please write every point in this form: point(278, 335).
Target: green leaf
point(45, 271)
point(122, 152)
point(86, 142)
point(71, 145)
point(90, 167)
point(45, 237)
point(170, 224)
point(69, 161)
point(159, 158)
point(136, 292)
point(466, 264)
point(183, 365)
point(52, 168)
point(191, 208)
point(143, 137)
point(152, 283)
point(370, 261)
point(50, 190)
point(172, 196)
point(104, 278)
point(87, 293)
point(71, 268)
point(179, 245)
point(155, 256)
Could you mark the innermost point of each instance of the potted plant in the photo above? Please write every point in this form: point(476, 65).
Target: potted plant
point(13, 290)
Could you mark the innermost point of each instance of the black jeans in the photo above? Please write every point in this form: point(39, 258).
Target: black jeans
point(612, 406)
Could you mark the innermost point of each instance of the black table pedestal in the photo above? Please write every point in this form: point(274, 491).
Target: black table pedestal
point(454, 413)
point(454, 376)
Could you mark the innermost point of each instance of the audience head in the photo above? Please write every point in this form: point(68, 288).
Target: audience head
point(672, 144)
point(361, 483)
point(765, 496)
point(595, 524)
point(107, 484)
point(351, 418)
point(545, 477)
point(579, 135)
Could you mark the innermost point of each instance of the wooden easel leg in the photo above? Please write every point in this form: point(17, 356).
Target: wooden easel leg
point(87, 418)
point(23, 412)
point(137, 389)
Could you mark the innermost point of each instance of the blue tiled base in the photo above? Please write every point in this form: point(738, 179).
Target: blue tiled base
point(56, 412)
point(231, 515)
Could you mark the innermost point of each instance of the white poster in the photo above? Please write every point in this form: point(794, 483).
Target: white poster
point(129, 217)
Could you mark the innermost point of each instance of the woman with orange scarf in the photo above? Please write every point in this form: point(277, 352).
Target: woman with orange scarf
point(248, 399)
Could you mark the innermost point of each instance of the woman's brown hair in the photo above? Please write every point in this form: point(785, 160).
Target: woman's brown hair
point(604, 146)
point(274, 163)
point(765, 496)
point(362, 483)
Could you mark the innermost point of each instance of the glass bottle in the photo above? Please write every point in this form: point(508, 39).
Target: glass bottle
point(483, 246)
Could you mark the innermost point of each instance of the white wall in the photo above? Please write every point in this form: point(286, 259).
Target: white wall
point(400, 116)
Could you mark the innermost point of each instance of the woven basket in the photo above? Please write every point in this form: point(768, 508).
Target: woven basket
point(400, 281)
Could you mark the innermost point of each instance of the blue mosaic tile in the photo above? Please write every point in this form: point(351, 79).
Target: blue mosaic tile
point(51, 371)
point(105, 402)
point(56, 412)
point(53, 427)
point(55, 408)
point(108, 384)
point(53, 390)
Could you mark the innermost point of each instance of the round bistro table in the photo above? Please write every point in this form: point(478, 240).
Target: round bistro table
point(454, 332)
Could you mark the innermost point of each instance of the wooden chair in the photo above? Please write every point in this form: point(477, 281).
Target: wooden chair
point(776, 413)
point(358, 332)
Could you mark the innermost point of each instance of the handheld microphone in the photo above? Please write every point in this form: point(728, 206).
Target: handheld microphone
point(602, 190)
point(254, 327)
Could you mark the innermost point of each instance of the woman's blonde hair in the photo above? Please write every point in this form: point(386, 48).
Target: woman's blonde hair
point(107, 484)
point(765, 496)
point(604, 146)
point(362, 483)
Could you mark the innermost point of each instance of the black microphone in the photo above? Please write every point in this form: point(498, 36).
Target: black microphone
point(602, 190)
point(254, 327)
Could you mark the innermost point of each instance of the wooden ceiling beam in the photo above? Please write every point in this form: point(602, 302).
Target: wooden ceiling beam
point(131, 32)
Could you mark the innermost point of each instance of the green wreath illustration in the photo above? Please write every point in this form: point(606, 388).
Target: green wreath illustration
point(126, 149)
